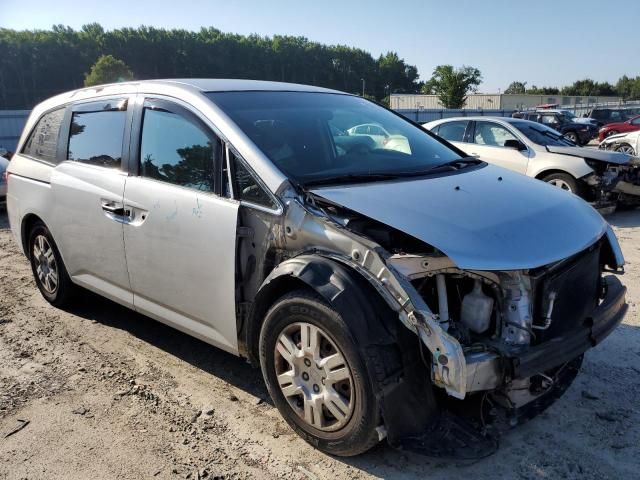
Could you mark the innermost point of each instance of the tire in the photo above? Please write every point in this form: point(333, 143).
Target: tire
point(353, 430)
point(47, 265)
point(573, 136)
point(563, 181)
point(625, 148)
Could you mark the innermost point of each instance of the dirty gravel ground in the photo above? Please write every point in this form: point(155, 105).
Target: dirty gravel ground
point(112, 394)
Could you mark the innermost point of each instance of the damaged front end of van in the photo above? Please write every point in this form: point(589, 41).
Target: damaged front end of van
point(491, 303)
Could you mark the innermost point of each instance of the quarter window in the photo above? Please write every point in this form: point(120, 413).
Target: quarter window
point(176, 150)
point(245, 185)
point(43, 141)
point(96, 137)
point(492, 134)
point(453, 131)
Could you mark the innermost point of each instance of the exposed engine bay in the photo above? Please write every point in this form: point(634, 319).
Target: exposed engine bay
point(614, 184)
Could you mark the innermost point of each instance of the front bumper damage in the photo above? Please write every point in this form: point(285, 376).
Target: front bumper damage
point(546, 356)
point(486, 371)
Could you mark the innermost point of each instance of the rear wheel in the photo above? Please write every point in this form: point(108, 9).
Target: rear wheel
point(316, 375)
point(563, 181)
point(48, 269)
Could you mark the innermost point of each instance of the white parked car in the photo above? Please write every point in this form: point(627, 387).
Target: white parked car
point(628, 143)
point(381, 137)
point(537, 151)
point(371, 286)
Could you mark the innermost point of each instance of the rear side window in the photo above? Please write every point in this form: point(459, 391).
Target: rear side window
point(43, 141)
point(453, 131)
point(96, 137)
point(175, 150)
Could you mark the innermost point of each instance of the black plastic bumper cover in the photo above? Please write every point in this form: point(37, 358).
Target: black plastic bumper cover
point(564, 348)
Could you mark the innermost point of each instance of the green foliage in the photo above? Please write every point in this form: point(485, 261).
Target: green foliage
point(628, 88)
point(516, 88)
point(588, 87)
point(107, 69)
point(452, 85)
point(543, 90)
point(37, 64)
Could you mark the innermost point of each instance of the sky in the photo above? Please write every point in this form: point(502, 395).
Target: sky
point(542, 42)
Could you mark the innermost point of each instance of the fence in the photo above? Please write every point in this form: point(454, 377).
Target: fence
point(11, 125)
point(427, 115)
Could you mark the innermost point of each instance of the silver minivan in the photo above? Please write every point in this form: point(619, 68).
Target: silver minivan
point(386, 289)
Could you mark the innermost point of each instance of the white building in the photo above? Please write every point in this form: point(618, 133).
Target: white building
point(487, 101)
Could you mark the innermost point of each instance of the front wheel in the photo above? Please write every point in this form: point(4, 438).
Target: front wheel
point(624, 148)
point(316, 376)
point(48, 269)
point(563, 181)
point(572, 136)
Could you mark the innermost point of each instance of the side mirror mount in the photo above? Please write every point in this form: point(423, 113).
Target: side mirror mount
point(515, 144)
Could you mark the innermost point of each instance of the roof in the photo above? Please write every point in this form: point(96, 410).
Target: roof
point(479, 117)
point(240, 85)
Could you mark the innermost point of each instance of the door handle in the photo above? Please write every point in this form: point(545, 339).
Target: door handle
point(474, 154)
point(115, 208)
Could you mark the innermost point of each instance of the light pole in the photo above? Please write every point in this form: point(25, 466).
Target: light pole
point(362, 86)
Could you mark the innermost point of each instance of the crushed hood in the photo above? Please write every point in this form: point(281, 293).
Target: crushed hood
point(495, 220)
point(592, 153)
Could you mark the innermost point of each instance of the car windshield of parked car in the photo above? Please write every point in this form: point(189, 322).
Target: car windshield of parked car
point(313, 137)
point(541, 135)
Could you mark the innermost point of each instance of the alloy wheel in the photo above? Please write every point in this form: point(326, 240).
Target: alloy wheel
point(45, 264)
point(572, 137)
point(626, 149)
point(314, 376)
point(558, 182)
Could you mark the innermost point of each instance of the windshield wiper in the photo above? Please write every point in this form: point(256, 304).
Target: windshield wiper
point(373, 176)
point(353, 178)
point(457, 164)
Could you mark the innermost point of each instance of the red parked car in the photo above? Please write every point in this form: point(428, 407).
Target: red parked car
point(630, 125)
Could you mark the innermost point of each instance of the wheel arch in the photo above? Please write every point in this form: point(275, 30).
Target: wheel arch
point(362, 308)
point(28, 221)
point(550, 171)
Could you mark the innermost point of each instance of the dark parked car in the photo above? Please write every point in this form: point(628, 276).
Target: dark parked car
point(613, 115)
point(578, 133)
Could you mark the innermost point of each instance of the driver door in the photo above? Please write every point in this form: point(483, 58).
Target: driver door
point(180, 238)
point(488, 144)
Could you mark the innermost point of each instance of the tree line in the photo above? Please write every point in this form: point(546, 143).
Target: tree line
point(626, 87)
point(40, 63)
point(36, 64)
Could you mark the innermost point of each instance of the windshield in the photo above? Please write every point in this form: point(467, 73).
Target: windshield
point(316, 136)
point(541, 135)
point(569, 117)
